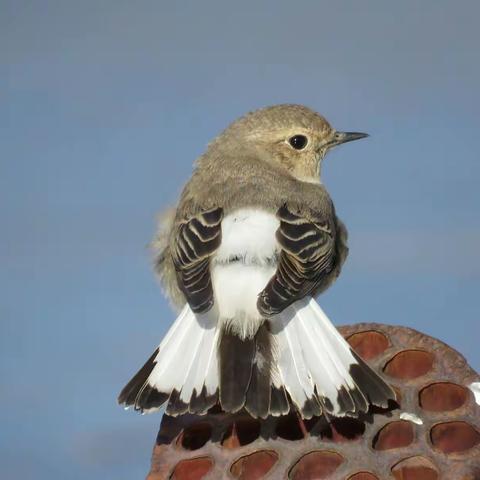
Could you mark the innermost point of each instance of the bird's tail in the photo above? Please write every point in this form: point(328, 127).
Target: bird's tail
point(297, 359)
point(183, 370)
point(317, 367)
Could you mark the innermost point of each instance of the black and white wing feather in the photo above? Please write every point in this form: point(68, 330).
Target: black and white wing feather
point(196, 240)
point(308, 255)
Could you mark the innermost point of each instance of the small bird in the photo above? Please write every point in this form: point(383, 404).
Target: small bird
point(253, 240)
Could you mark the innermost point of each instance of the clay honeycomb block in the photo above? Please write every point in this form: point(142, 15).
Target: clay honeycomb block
point(439, 439)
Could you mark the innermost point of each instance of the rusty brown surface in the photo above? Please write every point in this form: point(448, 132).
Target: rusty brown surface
point(432, 381)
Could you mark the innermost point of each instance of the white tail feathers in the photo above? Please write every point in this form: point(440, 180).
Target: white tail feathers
point(187, 362)
point(314, 359)
point(310, 361)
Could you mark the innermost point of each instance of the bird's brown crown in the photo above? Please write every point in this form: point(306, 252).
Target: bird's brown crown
point(280, 117)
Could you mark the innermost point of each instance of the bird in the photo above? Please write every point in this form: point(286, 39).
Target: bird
point(252, 242)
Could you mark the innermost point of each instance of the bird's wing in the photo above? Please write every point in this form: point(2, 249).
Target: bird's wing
point(196, 239)
point(307, 255)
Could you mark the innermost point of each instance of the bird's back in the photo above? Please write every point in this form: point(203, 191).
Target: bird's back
point(242, 266)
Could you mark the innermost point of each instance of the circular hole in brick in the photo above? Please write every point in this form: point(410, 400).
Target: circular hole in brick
point(170, 428)
point(415, 468)
point(363, 476)
point(394, 435)
point(196, 436)
point(254, 466)
point(248, 430)
point(443, 397)
point(288, 427)
point(409, 364)
point(316, 465)
point(345, 429)
point(450, 437)
point(241, 432)
point(368, 344)
point(192, 469)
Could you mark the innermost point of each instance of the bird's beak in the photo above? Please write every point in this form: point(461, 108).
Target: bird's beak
point(344, 137)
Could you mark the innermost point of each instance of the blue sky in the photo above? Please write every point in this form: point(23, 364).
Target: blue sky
point(104, 107)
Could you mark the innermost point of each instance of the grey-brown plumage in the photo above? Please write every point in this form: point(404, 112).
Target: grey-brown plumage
point(251, 164)
point(263, 170)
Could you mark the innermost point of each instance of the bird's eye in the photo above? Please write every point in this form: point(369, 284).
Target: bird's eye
point(298, 142)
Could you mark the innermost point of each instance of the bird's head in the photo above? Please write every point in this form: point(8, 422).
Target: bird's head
point(291, 136)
